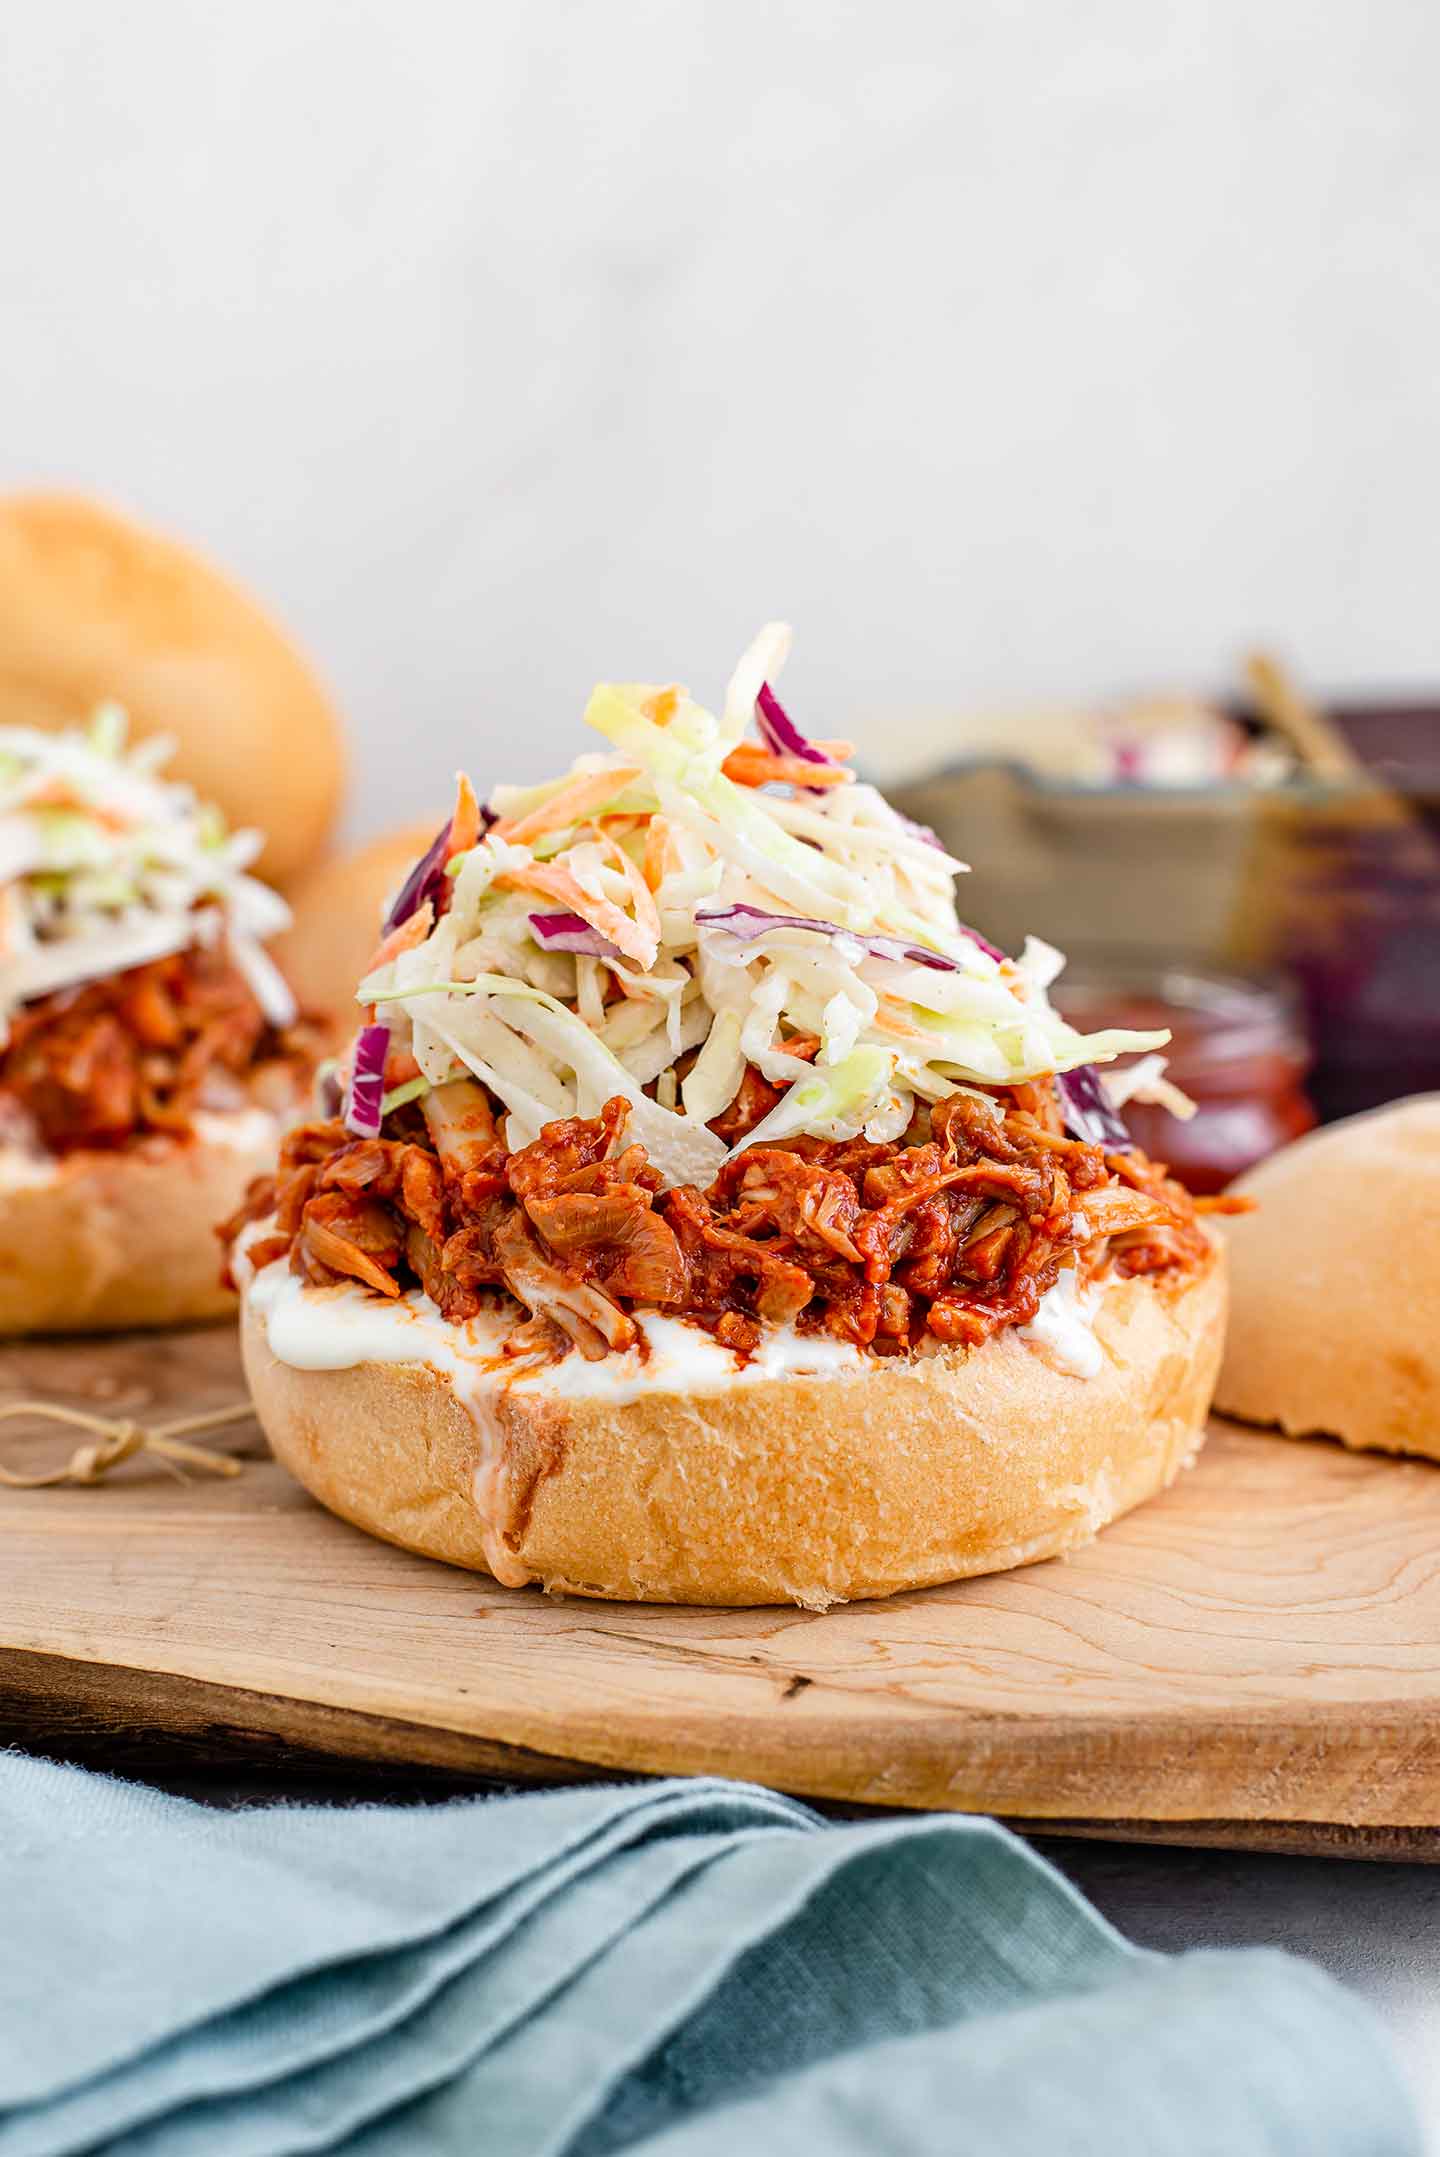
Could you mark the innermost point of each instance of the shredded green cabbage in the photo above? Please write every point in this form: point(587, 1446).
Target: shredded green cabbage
point(105, 866)
point(852, 985)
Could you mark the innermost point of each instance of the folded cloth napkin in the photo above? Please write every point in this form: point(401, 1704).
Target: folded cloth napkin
point(688, 1969)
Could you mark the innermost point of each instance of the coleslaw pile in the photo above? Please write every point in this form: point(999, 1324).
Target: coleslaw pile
point(688, 901)
point(104, 866)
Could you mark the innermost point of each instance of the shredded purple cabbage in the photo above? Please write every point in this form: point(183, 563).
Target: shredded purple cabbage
point(781, 735)
point(991, 951)
point(923, 831)
point(780, 731)
point(367, 1082)
point(1088, 1111)
point(572, 932)
point(425, 881)
point(748, 922)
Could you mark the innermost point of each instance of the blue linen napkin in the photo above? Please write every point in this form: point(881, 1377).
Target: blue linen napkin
point(690, 1969)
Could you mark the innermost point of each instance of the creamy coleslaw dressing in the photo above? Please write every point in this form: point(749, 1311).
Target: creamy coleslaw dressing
point(331, 1329)
point(684, 1358)
point(335, 1329)
point(244, 1130)
point(22, 1171)
point(1062, 1332)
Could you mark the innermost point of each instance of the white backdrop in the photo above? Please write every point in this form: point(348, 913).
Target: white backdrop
point(1009, 349)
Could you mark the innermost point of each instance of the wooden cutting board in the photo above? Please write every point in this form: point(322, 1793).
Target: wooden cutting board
point(1252, 1658)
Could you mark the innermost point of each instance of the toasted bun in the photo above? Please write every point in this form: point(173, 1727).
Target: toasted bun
point(96, 609)
point(337, 913)
point(99, 1241)
point(1336, 1319)
point(800, 1489)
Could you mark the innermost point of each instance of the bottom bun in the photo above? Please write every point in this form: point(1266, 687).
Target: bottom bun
point(808, 1489)
point(98, 1241)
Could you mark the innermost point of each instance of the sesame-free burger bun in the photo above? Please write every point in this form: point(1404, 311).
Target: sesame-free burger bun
point(804, 1489)
point(102, 1240)
point(337, 910)
point(1335, 1318)
point(95, 609)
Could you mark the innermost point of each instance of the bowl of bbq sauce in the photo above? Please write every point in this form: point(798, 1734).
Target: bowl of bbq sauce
point(1238, 1048)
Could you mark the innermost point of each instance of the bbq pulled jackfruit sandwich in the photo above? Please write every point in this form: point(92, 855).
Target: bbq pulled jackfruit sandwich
point(150, 1053)
point(705, 1214)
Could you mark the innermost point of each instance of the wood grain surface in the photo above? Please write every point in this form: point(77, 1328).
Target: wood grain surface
point(1254, 1657)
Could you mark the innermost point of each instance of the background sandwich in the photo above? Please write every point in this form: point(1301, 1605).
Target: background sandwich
point(149, 1048)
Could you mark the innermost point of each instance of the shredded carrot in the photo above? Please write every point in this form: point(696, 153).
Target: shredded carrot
point(647, 913)
point(56, 794)
point(573, 802)
point(662, 707)
point(657, 833)
point(550, 881)
point(465, 823)
point(621, 824)
point(405, 938)
point(894, 1017)
point(632, 992)
point(750, 765)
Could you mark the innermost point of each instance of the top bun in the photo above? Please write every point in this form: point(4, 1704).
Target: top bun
point(336, 912)
point(1335, 1297)
point(94, 609)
